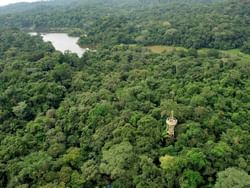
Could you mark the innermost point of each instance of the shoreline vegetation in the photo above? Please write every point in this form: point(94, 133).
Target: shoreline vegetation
point(69, 32)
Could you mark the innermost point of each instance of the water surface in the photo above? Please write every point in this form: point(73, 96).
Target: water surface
point(63, 42)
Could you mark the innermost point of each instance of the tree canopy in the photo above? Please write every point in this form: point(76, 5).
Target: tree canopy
point(100, 120)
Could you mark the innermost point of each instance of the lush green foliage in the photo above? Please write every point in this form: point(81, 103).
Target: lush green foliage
point(196, 24)
point(246, 47)
point(232, 177)
point(100, 120)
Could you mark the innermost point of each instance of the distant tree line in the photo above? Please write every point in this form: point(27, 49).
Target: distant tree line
point(192, 24)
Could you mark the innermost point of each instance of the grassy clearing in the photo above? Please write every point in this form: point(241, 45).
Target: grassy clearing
point(235, 53)
point(203, 51)
point(160, 48)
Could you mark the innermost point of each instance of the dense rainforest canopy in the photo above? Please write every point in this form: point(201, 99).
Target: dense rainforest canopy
point(191, 23)
point(99, 120)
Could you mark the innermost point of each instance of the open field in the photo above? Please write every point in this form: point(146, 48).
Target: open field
point(161, 48)
point(236, 53)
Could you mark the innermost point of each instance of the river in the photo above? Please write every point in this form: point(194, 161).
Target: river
point(63, 42)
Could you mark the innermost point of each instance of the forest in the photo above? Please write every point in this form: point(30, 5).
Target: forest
point(192, 24)
point(100, 120)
